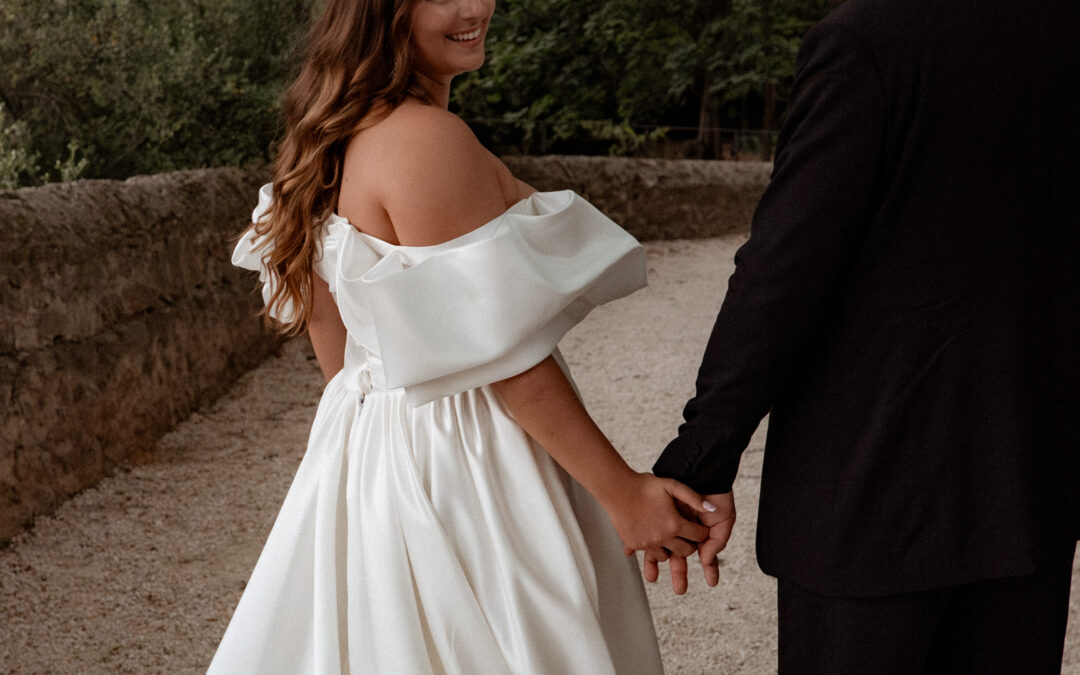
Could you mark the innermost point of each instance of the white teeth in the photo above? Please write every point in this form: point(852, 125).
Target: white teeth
point(464, 37)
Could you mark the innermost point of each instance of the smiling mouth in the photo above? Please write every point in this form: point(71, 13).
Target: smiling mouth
point(465, 37)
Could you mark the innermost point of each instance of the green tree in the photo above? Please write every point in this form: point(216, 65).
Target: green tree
point(18, 163)
point(110, 88)
point(142, 86)
point(537, 84)
point(557, 66)
point(759, 40)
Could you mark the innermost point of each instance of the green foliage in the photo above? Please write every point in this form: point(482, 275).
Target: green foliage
point(624, 139)
point(556, 65)
point(111, 88)
point(18, 163)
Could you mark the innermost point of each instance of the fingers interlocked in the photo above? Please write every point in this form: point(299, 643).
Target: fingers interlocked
point(719, 522)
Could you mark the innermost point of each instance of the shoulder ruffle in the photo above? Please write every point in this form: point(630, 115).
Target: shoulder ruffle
point(477, 309)
point(497, 303)
point(250, 250)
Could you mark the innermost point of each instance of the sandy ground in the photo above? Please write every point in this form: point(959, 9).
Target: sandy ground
point(140, 574)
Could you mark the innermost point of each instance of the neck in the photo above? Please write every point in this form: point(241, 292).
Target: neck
point(437, 89)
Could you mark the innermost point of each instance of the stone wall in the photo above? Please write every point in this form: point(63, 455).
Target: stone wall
point(120, 315)
point(656, 198)
point(121, 312)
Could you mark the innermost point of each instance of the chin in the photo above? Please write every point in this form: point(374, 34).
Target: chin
point(461, 66)
point(474, 65)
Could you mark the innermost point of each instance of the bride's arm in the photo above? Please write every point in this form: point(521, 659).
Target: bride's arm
point(326, 330)
point(437, 182)
point(640, 505)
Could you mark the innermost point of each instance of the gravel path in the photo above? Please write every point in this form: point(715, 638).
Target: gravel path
point(140, 574)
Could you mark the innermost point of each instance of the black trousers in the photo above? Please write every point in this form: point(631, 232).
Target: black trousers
point(999, 626)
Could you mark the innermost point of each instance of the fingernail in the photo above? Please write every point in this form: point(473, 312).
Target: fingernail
point(708, 506)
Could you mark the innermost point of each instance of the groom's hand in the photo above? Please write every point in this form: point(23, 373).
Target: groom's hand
point(720, 523)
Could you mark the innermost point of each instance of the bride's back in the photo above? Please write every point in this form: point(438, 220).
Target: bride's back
point(419, 176)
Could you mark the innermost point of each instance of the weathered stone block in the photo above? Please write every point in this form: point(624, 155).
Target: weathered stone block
point(121, 314)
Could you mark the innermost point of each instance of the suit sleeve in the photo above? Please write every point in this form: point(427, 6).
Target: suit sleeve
point(806, 228)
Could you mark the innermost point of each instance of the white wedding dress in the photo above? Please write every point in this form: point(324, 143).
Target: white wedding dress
point(424, 531)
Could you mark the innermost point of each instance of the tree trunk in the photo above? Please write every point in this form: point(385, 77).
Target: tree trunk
point(706, 133)
point(768, 121)
point(12, 111)
point(768, 92)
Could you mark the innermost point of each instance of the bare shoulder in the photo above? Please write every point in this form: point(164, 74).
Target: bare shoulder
point(413, 127)
point(430, 174)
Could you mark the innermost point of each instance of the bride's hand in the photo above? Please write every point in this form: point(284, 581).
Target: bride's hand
point(646, 517)
point(720, 523)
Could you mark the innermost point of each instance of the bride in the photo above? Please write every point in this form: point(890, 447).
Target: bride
point(456, 511)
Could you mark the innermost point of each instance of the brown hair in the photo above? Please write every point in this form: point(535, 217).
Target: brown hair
point(357, 67)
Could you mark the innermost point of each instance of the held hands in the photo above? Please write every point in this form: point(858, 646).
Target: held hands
point(646, 517)
point(719, 523)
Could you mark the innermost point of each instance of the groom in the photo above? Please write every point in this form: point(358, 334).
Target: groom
point(907, 308)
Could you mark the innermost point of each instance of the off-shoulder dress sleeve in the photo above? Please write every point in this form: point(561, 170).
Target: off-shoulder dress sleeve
point(493, 306)
point(251, 249)
point(481, 308)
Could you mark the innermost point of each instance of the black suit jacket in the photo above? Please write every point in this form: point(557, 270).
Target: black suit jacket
point(907, 304)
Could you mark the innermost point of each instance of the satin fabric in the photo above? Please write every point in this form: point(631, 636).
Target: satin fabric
point(424, 531)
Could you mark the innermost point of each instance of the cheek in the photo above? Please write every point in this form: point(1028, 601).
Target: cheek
point(425, 42)
point(427, 24)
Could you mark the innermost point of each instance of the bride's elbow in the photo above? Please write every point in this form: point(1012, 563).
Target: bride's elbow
point(531, 386)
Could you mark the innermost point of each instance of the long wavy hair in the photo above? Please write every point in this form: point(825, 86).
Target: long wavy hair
point(357, 67)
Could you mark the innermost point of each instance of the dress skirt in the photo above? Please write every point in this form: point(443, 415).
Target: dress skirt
point(436, 539)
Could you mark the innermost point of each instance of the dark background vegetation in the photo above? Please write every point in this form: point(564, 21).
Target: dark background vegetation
point(112, 88)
